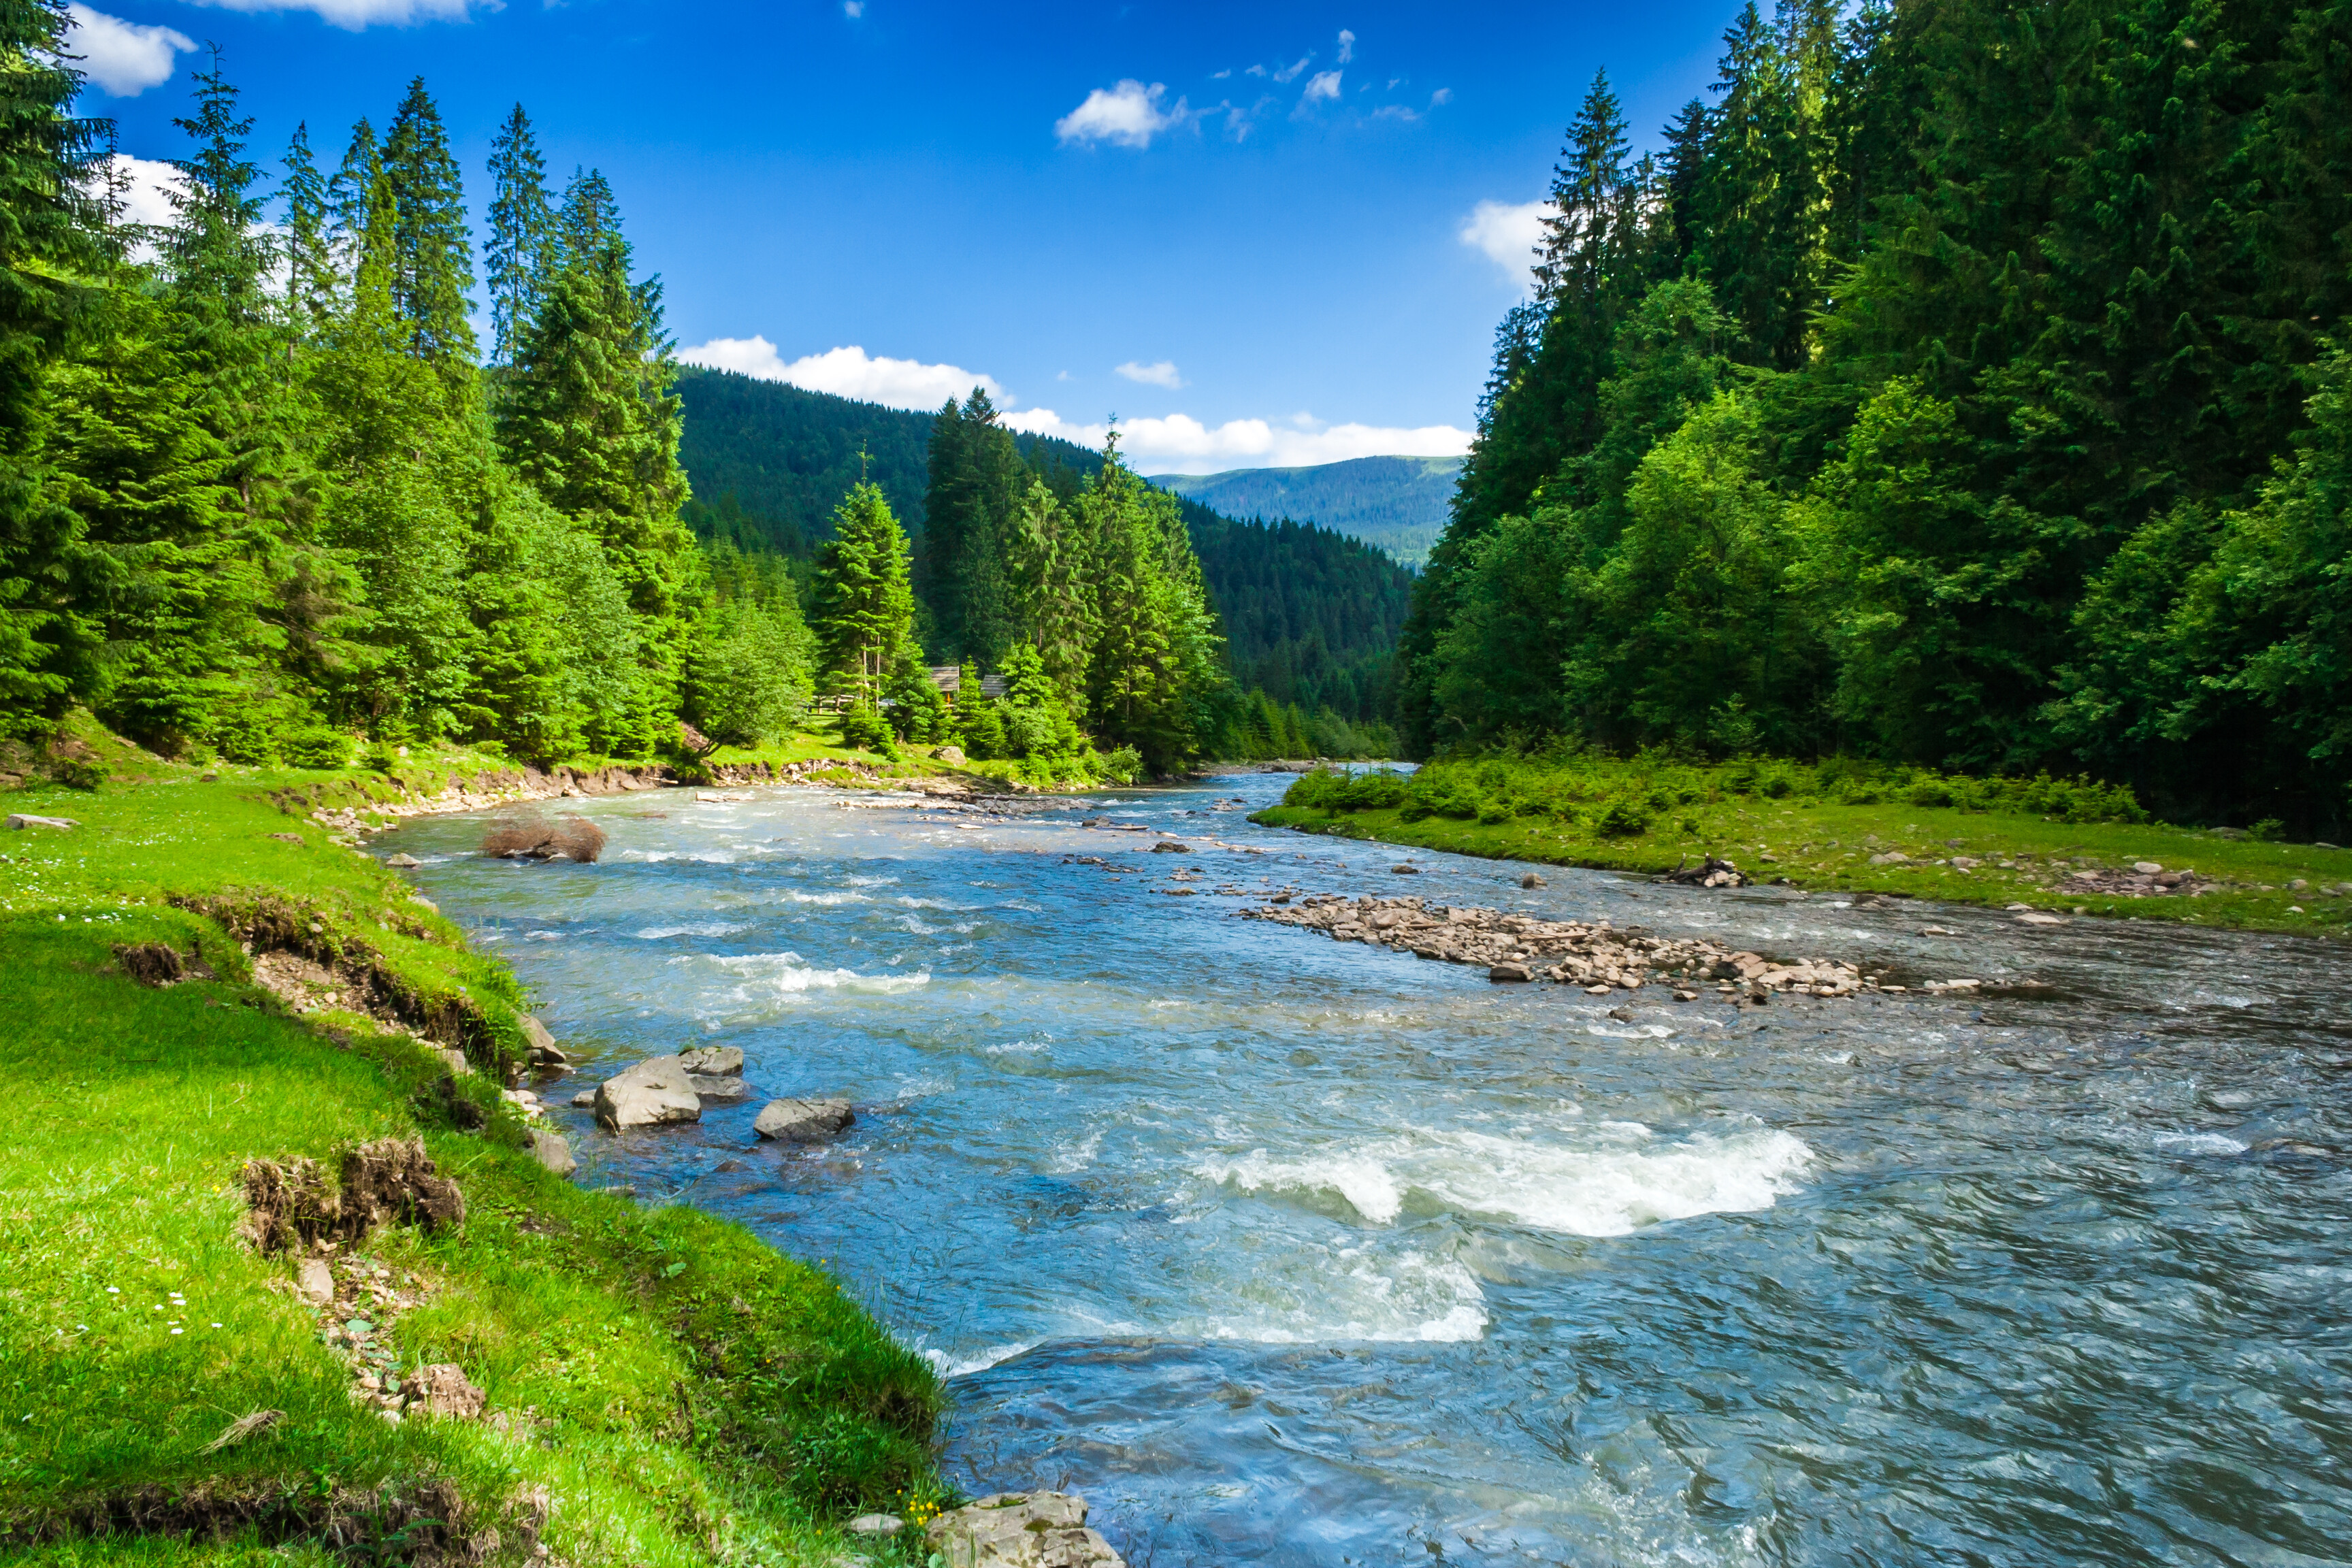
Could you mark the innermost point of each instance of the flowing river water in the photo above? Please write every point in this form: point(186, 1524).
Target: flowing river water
point(1284, 1250)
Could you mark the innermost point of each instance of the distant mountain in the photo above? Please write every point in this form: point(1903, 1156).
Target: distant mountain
point(1396, 504)
point(1310, 613)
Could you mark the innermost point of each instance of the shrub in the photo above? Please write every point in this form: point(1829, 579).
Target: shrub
point(1621, 819)
point(862, 728)
point(317, 747)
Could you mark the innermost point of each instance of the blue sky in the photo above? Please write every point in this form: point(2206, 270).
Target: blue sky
point(1257, 234)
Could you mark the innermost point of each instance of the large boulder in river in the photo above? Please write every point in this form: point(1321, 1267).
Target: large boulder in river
point(1020, 1530)
point(803, 1120)
point(650, 1094)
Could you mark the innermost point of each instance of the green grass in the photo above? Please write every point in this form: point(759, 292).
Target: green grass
point(1826, 843)
point(683, 1393)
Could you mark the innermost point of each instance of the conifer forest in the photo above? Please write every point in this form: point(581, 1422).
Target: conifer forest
point(1963, 385)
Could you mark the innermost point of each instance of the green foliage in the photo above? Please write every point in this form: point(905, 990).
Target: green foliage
point(1954, 391)
point(865, 605)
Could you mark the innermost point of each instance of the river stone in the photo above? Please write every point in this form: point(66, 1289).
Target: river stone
point(404, 862)
point(724, 1089)
point(650, 1094)
point(1508, 972)
point(1170, 847)
point(1531, 880)
point(536, 1036)
point(585, 1099)
point(315, 1281)
point(953, 757)
point(2038, 919)
point(1020, 1530)
point(553, 1149)
point(27, 819)
point(876, 1525)
point(2147, 867)
point(803, 1120)
point(713, 1061)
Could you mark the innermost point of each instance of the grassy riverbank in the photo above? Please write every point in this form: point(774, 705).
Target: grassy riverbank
point(662, 1388)
point(1916, 835)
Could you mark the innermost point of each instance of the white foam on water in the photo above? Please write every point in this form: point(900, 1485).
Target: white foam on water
point(795, 896)
point(995, 1355)
point(707, 928)
point(1017, 1048)
point(871, 882)
point(773, 975)
point(2199, 1143)
point(1347, 1293)
point(1075, 1155)
point(1636, 1032)
point(906, 903)
point(657, 857)
point(1629, 1183)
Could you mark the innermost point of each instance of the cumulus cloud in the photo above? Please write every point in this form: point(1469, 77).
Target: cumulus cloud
point(846, 372)
point(124, 58)
point(1508, 233)
point(352, 15)
point(1321, 86)
point(1129, 114)
point(145, 187)
point(1347, 46)
point(1162, 373)
point(1181, 444)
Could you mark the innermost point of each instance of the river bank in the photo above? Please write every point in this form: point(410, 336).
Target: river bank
point(1899, 848)
point(210, 1013)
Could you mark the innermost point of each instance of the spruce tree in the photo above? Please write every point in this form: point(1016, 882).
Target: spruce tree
point(518, 259)
point(53, 245)
point(310, 274)
point(351, 191)
point(864, 602)
point(433, 262)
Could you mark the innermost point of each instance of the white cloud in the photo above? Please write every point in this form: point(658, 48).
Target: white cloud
point(123, 58)
point(1260, 71)
point(1508, 233)
point(1162, 373)
point(1129, 114)
point(1443, 95)
point(1181, 444)
point(1290, 73)
point(1219, 75)
point(853, 9)
point(1347, 46)
point(352, 15)
point(1321, 85)
point(846, 372)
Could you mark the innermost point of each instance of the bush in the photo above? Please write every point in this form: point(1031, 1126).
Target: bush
point(1621, 819)
point(317, 748)
point(861, 729)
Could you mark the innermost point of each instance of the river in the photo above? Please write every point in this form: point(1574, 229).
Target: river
point(1283, 1250)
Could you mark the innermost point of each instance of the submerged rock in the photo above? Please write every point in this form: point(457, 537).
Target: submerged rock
point(803, 1120)
point(1020, 1530)
point(651, 1094)
point(404, 862)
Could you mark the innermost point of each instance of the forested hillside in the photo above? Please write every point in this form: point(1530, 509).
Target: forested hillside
point(1966, 383)
point(1310, 616)
point(1399, 504)
point(258, 498)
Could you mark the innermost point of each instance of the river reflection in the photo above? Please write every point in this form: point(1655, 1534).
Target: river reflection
point(1288, 1251)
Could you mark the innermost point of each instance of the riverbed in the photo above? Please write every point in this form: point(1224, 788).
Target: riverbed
point(1288, 1251)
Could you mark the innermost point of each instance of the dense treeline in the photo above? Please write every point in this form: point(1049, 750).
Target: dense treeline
point(1309, 616)
point(257, 500)
point(1399, 504)
point(1966, 385)
point(1088, 594)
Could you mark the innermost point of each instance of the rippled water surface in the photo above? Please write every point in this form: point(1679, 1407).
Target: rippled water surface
point(1288, 1251)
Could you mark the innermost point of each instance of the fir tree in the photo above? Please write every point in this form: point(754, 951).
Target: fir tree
point(433, 269)
point(53, 245)
point(310, 275)
point(518, 257)
point(864, 602)
point(351, 191)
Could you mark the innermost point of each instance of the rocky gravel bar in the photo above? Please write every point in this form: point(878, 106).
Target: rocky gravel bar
point(1596, 956)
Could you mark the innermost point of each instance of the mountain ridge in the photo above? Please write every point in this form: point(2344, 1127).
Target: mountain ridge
point(1394, 503)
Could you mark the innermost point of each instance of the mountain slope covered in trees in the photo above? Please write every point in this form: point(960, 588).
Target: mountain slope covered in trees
point(1965, 383)
point(1309, 616)
point(1399, 504)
